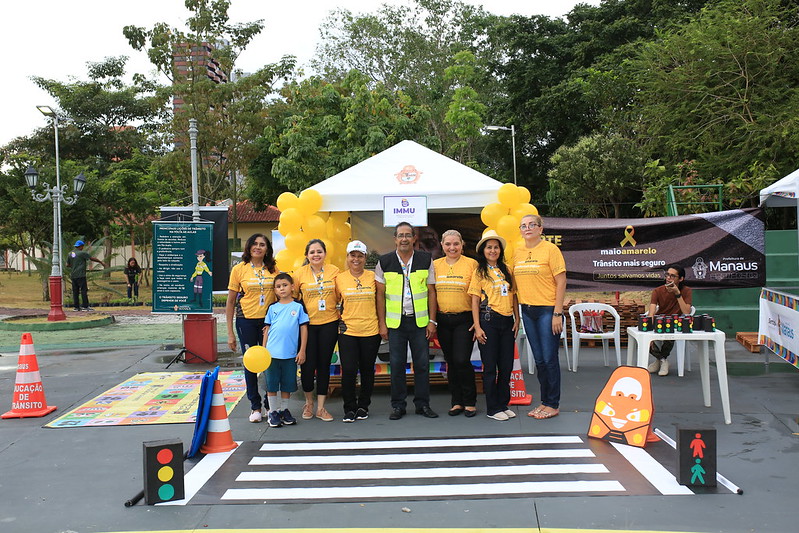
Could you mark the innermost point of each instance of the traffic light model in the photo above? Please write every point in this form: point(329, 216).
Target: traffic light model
point(163, 471)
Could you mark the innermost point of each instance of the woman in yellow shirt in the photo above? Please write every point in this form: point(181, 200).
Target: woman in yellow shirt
point(454, 273)
point(359, 337)
point(315, 285)
point(540, 275)
point(250, 293)
point(496, 322)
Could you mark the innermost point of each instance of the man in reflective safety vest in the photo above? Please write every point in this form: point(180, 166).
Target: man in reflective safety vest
point(406, 313)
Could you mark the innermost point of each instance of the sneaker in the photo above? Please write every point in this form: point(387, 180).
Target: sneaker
point(501, 416)
point(87, 309)
point(654, 367)
point(361, 414)
point(285, 416)
point(76, 309)
point(323, 415)
point(349, 416)
point(274, 420)
point(509, 413)
point(307, 411)
point(664, 368)
point(256, 416)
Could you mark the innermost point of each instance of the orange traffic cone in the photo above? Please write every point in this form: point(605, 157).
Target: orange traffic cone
point(219, 437)
point(518, 392)
point(651, 436)
point(29, 401)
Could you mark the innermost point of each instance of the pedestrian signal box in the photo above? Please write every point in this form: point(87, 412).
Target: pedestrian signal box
point(696, 457)
point(163, 471)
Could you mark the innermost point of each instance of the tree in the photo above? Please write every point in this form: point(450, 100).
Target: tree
point(319, 129)
point(595, 177)
point(228, 108)
point(722, 92)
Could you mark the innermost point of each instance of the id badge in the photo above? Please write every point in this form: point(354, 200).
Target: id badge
point(262, 301)
point(503, 290)
point(322, 305)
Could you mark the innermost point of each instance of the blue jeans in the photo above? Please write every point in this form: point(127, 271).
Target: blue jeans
point(497, 357)
point(408, 333)
point(537, 321)
point(251, 333)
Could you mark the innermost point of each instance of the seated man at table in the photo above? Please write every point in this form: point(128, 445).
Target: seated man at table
point(672, 298)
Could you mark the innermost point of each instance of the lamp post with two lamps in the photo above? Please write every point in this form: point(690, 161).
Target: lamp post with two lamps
point(57, 195)
point(512, 131)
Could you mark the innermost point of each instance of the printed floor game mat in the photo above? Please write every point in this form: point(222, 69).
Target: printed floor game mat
point(151, 398)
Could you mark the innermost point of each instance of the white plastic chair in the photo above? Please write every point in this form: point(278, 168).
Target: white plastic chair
point(524, 347)
point(577, 310)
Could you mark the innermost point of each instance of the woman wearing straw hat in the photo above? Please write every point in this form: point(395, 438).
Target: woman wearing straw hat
point(496, 322)
point(540, 274)
point(454, 273)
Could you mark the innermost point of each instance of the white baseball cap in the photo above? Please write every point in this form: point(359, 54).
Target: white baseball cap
point(356, 246)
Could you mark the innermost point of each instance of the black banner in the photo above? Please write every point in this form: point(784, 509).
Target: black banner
point(724, 249)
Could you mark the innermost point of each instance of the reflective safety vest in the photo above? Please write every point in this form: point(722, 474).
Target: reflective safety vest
point(392, 273)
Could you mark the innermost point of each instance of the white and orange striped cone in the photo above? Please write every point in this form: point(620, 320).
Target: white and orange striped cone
point(219, 438)
point(29, 400)
point(518, 392)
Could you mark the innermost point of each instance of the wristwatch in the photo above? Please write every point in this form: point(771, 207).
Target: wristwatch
point(433, 322)
point(557, 314)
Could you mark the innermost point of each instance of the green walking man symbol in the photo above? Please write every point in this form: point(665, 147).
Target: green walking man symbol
point(697, 472)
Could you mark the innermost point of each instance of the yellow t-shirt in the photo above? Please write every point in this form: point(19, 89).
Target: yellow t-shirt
point(254, 283)
point(496, 288)
point(307, 287)
point(360, 308)
point(452, 284)
point(534, 270)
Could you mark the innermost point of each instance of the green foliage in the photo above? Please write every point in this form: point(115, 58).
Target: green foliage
point(229, 114)
point(721, 91)
point(320, 129)
point(595, 177)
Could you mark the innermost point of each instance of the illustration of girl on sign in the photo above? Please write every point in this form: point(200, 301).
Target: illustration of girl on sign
point(197, 277)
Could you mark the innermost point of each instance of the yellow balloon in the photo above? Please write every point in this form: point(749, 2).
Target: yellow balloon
point(287, 200)
point(291, 219)
point(337, 230)
point(314, 227)
point(347, 230)
point(257, 359)
point(295, 241)
point(508, 227)
point(508, 195)
point(310, 202)
point(282, 229)
point(509, 252)
point(524, 195)
point(324, 215)
point(340, 216)
point(331, 249)
point(492, 213)
point(298, 262)
point(524, 209)
point(285, 259)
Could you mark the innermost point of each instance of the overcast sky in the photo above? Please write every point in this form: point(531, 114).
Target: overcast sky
point(56, 38)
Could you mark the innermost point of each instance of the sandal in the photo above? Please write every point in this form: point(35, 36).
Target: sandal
point(546, 413)
point(535, 411)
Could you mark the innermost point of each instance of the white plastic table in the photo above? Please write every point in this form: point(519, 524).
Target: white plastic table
point(642, 340)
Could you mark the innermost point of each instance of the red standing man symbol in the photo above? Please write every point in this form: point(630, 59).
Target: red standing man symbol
point(698, 446)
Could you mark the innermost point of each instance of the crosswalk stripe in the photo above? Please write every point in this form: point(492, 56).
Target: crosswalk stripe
point(419, 457)
point(464, 471)
point(417, 491)
point(419, 443)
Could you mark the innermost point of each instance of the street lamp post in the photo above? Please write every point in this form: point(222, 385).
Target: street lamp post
point(57, 195)
point(512, 131)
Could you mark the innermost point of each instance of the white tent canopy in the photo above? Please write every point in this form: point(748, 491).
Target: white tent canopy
point(782, 193)
point(408, 169)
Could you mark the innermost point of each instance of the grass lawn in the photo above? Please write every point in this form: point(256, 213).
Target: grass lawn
point(22, 290)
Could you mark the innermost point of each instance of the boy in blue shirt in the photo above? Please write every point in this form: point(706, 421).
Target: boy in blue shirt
point(285, 336)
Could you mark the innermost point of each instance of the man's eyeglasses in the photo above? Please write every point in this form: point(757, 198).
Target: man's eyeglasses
point(672, 276)
point(405, 236)
point(529, 226)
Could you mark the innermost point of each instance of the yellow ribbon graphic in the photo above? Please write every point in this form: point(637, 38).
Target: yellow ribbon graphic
point(629, 231)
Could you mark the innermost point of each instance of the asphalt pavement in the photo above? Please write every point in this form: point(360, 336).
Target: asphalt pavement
point(77, 479)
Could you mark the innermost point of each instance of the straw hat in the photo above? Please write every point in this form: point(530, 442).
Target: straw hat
point(487, 236)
